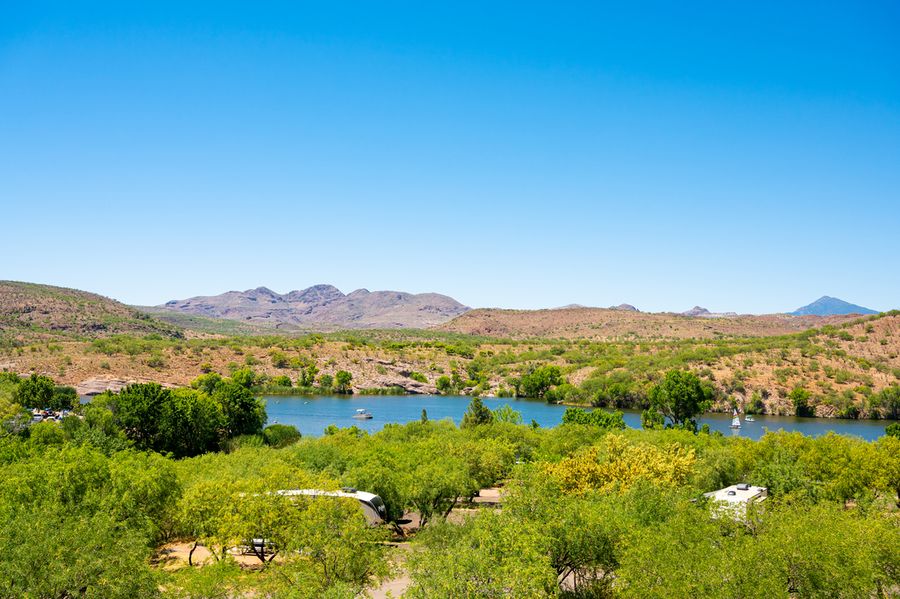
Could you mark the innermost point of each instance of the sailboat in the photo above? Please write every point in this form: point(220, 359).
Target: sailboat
point(735, 420)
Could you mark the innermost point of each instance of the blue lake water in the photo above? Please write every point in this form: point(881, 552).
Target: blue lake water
point(312, 414)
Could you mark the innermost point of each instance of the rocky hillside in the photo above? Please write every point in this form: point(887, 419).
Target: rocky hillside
point(598, 323)
point(31, 311)
point(830, 306)
point(324, 307)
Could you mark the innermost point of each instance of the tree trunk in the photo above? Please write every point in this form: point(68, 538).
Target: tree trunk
point(449, 509)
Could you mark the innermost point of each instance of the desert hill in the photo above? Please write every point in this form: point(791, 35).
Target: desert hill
point(845, 363)
point(323, 307)
point(43, 311)
point(830, 306)
point(599, 323)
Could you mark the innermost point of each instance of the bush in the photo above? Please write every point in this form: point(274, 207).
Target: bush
point(280, 435)
point(893, 430)
point(600, 418)
point(279, 360)
point(281, 381)
point(444, 384)
point(326, 382)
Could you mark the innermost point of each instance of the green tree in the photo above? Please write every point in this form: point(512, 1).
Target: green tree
point(35, 392)
point(137, 410)
point(244, 413)
point(651, 419)
point(681, 397)
point(537, 382)
point(245, 377)
point(489, 556)
point(505, 413)
point(800, 399)
point(435, 480)
point(47, 433)
point(64, 398)
point(332, 552)
point(190, 423)
point(342, 381)
point(477, 414)
point(207, 383)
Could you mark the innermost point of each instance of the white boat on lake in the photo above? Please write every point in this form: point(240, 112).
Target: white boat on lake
point(362, 414)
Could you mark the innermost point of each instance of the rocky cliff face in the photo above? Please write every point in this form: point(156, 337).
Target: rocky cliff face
point(324, 306)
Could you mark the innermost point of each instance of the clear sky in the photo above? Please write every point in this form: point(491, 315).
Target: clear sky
point(740, 156)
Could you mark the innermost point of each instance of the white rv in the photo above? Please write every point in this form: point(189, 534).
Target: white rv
point(734, 501)
point(372, 505)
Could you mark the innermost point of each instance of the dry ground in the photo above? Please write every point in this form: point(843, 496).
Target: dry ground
point(599, 323)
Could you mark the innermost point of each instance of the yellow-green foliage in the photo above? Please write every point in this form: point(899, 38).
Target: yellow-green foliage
point(616, 464)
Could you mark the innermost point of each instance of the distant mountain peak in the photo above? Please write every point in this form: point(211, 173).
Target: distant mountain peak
point(624, 308)
point(831, 306)
point(696, 311)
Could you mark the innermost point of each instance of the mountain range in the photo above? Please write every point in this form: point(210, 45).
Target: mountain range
point(324, 305)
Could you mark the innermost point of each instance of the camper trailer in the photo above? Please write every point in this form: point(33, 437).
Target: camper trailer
point(371, 504)
point(734, 501)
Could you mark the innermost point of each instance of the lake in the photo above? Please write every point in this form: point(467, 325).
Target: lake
point(312, 414)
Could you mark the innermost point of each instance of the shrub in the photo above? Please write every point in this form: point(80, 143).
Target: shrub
point(279, 360)
point(280, 435)
point(600, 418)
point(893, 430)
point(281, 381)
point(326, 381)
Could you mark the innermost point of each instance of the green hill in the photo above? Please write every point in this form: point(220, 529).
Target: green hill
point(31, 311)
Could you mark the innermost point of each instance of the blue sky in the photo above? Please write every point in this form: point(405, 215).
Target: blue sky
point(743, 156)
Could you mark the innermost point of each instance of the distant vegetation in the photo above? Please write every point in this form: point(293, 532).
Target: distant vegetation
point(849, 371)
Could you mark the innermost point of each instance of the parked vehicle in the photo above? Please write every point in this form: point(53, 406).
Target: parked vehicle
point(372, 505)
